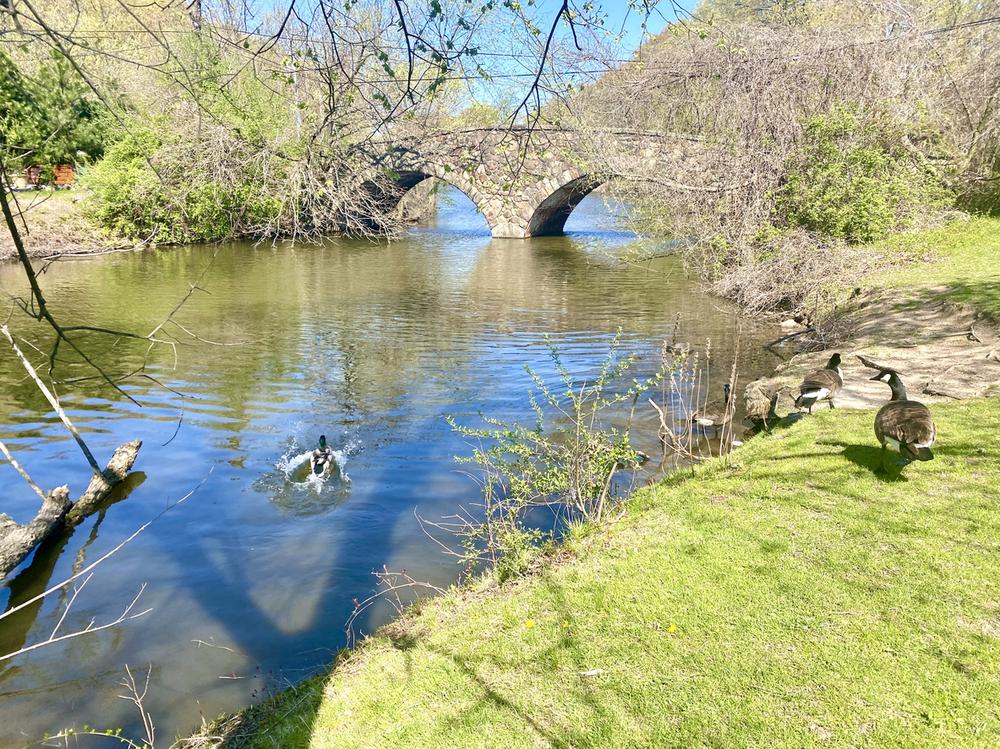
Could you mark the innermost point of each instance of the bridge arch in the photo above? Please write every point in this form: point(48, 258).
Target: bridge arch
point(550, 215)
point(526, 181)
point(541, 209)
point(406, 179)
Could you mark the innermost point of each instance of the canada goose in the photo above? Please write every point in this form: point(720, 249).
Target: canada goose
point(759, 407)
point(822, 384)
point(715, 414)
point(321, 459)
point(904, 425)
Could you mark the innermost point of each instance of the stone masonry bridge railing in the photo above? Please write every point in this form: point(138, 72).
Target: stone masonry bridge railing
point(524, 182)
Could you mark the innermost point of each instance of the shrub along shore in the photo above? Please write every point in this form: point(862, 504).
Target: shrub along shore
point(791, 597)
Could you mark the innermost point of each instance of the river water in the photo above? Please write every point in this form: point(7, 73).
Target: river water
point(252, 578)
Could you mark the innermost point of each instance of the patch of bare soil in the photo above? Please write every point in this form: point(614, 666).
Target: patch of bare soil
point(942, 350)
point(52, 223)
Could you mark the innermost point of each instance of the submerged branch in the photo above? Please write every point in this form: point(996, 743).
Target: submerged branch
point(53, 401)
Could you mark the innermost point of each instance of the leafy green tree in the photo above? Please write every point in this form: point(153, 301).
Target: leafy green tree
point(50, 117)
point(854, 178)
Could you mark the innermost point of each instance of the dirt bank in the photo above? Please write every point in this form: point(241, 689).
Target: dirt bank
point(944, 350)
point(53, 223)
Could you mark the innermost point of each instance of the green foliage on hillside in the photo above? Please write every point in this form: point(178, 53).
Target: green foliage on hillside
point(50, 116)
point(853, 179)
point(146, 191)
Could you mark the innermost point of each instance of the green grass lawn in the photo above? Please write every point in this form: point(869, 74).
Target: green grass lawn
point(795, 599)
point(964, 256)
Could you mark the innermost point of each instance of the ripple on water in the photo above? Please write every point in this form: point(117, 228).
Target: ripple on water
point(296, 490)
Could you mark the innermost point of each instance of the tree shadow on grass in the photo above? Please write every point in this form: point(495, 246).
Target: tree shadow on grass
point(564, 648)
point(290, 718)
point(492, 698)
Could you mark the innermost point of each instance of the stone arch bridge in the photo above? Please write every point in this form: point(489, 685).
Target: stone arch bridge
point(525, 182)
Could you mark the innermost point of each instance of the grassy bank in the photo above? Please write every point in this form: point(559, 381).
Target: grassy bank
point(795, 599)
point(958, 262)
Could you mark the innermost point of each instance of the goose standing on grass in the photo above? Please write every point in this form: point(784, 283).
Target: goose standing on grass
point(760, 407)
point(322, 457)
point(822, 384)
point(903, 425)
point(715, 414)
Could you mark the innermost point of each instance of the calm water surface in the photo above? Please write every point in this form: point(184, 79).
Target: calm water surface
point(252, 578)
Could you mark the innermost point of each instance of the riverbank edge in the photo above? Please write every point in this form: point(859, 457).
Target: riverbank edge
point(253, 726)
point(934, 317)
point(54, 225)
point(382, 661)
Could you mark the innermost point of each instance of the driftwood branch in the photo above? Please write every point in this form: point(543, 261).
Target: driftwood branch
point(127, 614)
point(788, 337)
point(83, 576)
point(53, 401)
point(970, 334)
point(24, 474)
point(100, 486)
point(17, 540)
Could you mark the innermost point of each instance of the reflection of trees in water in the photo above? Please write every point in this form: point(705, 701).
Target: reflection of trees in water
point(358, 317)
point(352, 330)
point(558, 282)
point(371, 339)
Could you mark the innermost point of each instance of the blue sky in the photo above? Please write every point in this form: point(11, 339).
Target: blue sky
point(510, 55)
point(620, 18)
point(512, 58)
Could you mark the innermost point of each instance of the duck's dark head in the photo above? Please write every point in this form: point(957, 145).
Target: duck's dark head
point(322, 441)
point(726, 391)
point(834, 362)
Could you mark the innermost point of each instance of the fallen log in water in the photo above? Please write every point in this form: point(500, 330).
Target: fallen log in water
point(100, 486)
point(18, 540)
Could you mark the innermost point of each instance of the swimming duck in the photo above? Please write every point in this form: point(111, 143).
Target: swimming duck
point(715, 414)
point(822, 384)
point(321, 459)
point(904, 425)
